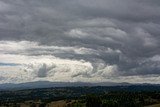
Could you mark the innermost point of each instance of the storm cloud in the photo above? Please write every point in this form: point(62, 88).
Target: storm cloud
point(80, 40)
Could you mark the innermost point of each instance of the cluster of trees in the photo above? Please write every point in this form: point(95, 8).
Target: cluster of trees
point(96, 101)
point(123, 99)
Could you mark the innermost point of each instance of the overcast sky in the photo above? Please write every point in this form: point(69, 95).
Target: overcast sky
point(80, 40)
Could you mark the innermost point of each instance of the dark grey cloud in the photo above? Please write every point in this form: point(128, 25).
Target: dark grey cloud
point(124, 33)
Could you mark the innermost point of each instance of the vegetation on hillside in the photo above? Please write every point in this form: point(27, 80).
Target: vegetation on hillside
point(118, 96)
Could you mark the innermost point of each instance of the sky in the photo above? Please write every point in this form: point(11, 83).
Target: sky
point(80, 41)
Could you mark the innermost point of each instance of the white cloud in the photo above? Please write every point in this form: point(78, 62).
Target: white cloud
point(111, 34)
point(48, 67)
point(84, 50)
point(118, 33)
point(16, 46)
point(155, 58)
point(11, 48)
point(109, 71)
point(45, 69)
point(77, 33)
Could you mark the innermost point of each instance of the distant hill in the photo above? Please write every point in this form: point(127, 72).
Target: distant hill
point(47, 84)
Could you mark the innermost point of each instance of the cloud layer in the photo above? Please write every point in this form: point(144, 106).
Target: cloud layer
point(82, 40)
